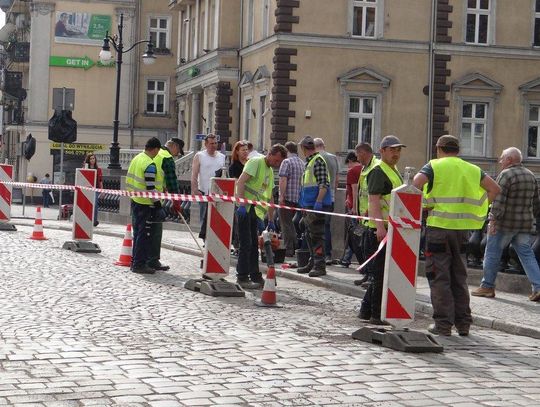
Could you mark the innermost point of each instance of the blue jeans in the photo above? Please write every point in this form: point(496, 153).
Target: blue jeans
point(521, 242)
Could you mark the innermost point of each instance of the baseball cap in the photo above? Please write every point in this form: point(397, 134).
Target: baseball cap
point(307, 142)
point(448, 141)
point(391, 141)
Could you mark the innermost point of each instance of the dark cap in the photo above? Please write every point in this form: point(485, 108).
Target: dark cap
point(391, 141)
point(307, 142)
point(448, 141)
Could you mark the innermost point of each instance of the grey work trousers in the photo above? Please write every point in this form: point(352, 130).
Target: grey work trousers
point(447, 275)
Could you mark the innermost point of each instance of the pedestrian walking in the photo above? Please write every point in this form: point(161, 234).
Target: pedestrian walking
point(255, 183)
point(333, 168)
point(90, 162)
point(457, 194)
point(511, 220)
point(314, 194)
point(290, 177)
point(381, 180)
point(166, 174)
point(142, 177)
point(46, 192)
point(204, 166)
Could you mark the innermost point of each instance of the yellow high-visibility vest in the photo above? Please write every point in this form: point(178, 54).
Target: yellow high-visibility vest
point(457, 200)
point(396, 180)
point(363, 188)
point(135, 177)
point(160, 176)
point(259, 187)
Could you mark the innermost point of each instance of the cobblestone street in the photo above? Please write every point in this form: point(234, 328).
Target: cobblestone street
point(77, 330)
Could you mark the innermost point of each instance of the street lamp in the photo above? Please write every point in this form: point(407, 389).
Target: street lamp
point(106, 58)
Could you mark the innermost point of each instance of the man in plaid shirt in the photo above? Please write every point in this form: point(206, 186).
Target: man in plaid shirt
point(511, 220)
point(290, 177)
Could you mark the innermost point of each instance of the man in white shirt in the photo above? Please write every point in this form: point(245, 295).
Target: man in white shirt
point(205, 164)
point(252, 152)
point(333, 168)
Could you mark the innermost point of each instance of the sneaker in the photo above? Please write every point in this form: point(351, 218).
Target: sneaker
point(344, 264)
point(317, 273)
point(361, 281)
point(435, 330)
point(258, 280)
point(158, 266)
point(248, 285)
point(143, 270)
point(329, 261)
point(484, 292)
point(535, 296)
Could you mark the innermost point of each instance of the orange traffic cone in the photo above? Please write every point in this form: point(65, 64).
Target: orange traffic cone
point(268, 297)
point(37, 233)
point(126, 251)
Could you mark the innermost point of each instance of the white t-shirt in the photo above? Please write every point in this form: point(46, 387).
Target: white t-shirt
point(254, 154)
point(208, 167)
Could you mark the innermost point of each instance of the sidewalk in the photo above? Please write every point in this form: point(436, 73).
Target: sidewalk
point(511, 313)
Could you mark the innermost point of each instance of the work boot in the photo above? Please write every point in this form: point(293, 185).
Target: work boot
point(317, 273)
point(144, 269)
point(463, 330)
point(248, 285)
point(435, 330)
point(305, 269)
point(362, 280)
point(535, 296)
point(258, 280)
point(158, 266)
point(484, 292)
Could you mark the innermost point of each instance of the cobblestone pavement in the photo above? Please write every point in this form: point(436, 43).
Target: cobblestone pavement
point(77, 330)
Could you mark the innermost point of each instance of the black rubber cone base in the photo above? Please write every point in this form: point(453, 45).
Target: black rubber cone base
point(402, 340)
point(82, 247)
point(7, 227)
point(215, 288)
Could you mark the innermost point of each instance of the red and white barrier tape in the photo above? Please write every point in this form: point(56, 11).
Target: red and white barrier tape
point(398, 222)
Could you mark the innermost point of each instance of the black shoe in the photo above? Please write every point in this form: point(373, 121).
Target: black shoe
point(258, 280)
point(364, 314)
point(306, 269)
point(96, 223)
point(463, 330)
point(377, 321)
point(344, 264)
point(317, 273)
point(361, 281)
point(158, 266)
point(143, 270)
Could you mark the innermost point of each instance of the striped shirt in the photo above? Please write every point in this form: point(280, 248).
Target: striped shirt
point(517, 206)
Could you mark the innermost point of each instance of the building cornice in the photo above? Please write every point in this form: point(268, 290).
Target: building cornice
point(207, 79)
point(492, 51)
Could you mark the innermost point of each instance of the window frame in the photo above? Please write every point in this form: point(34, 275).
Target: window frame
point(167, 31)
point(246, 118)
point(527, 125)
point(165, 92)
point(265, 18)
point(377, 113)
point(261, 123)
point(379, 17)
point(488, 124)
point(535, 16)
point(250, 15)
point(491, 13)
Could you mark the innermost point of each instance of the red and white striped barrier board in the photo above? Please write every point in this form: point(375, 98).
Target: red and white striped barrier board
point(401, 262)
point(219, 225)
point(6, 176)
point(83, 210)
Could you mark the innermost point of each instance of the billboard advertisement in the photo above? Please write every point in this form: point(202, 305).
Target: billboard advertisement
point(81, 28)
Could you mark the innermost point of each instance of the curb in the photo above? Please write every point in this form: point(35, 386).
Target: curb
point(330, 283)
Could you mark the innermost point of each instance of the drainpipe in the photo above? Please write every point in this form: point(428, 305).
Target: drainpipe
point(136, 82)
point(431, 79)
point(240, 67)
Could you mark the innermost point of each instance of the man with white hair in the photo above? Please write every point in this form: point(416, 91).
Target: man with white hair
point(511, 220)
point(333, 168)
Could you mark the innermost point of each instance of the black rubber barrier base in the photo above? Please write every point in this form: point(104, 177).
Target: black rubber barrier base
point(402, 340)
point(82, 247)
point(215, 288)
point(7, 227)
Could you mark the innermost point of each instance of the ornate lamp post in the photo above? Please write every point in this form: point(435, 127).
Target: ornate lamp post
point(106, 58)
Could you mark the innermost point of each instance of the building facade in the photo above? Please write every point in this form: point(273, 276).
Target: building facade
point(63, 72)
point(356, 70)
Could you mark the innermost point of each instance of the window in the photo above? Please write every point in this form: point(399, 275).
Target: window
point(361, 120)
point(478, 15)
point(534, 123)
point(364, 18)
point(262, 114)
point(474, 129)
point(265, 18)
point(159, 32)
point(536, 39)
point(247, 118)
point(156, 95)
point(250, 22)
